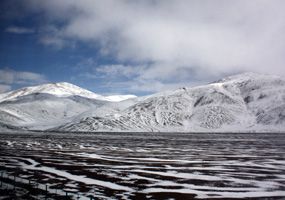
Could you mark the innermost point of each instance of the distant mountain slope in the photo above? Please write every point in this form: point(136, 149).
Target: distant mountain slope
point(49, 105)
point(41, 111)
point(7, 127)
point(245, 102)
point(61, 89)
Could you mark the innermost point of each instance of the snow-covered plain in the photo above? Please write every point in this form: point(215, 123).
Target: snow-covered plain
point(246, 102)
point(150, 166)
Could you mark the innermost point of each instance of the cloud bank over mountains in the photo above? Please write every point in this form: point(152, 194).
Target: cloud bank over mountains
point(217, 36)
point(169, 43)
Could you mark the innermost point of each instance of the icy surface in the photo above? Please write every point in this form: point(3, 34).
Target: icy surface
point(151, 166)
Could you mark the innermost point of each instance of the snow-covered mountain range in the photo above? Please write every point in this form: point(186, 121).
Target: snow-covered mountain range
point(244, 102)
point(49, 105)
point(61, 89)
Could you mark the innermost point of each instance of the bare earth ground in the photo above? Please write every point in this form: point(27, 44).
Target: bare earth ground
point(142, 166)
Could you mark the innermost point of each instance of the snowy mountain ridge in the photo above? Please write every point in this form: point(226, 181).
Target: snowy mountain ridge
point(61, 89)
point(244, 102)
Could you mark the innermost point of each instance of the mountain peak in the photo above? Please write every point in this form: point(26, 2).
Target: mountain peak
point(248, 76)
point(60, 89)
point(247, 101)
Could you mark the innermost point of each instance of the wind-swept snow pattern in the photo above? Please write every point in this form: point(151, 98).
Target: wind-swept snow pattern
point(151, 166)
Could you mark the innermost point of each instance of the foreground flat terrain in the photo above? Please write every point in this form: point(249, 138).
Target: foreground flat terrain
point(146, 165)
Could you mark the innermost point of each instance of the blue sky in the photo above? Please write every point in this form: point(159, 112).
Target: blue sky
point(21, 51)
point(138, 47)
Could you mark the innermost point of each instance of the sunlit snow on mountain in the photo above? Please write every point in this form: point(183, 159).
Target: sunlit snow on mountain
point(244, 102)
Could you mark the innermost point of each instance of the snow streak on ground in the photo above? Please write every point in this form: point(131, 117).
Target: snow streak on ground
point(150, 166)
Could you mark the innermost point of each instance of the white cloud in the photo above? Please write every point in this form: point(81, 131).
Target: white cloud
point(52, 41)
point(19, 30)
point(4, 88)
point(153, 86)
point(175, 40)
point(9, 77)
point(142, 78)
point(118, 70)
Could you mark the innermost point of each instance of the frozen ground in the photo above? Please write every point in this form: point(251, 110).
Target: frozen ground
point(150, 166)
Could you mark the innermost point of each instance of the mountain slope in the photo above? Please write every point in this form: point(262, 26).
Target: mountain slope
point(41, 111)
point(61, 89)
point(49, 105)
point(246, 102)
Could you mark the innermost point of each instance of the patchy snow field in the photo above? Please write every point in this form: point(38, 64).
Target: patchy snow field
point(150, 165)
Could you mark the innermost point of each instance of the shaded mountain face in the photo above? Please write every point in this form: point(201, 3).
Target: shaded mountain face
point(245, 102)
